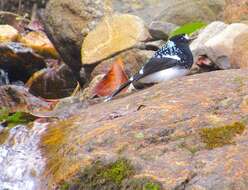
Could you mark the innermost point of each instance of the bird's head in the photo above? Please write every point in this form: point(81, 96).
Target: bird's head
point(181, 38)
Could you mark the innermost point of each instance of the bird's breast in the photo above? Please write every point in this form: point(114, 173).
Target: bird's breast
point(164, 75)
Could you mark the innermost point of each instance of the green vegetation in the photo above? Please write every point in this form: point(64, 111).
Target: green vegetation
point(220, 136)
point(99, 176)
point(13, 119)
point(152, 186)
point(65, 186)
point(118, 171)
point(188, 28)
point(115, 176)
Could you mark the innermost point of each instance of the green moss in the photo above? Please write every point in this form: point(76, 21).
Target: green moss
point(12, 119)
point(220, 136)
point(101, 177)
point(115, 176)
point(152, 186)
point(118, 171)
point(65, 186)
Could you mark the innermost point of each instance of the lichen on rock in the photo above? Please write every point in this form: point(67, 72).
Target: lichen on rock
point(118, 175)
point(220, 136)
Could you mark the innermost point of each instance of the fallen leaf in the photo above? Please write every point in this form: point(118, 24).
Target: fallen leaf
point(112, 80)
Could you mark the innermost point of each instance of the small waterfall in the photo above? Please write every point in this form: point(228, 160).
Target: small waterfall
point(4, 79)
point(21, 162)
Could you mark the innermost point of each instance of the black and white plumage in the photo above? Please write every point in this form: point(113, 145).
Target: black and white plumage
point(173, 60)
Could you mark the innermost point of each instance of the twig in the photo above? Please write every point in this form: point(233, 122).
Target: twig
point(19, 6)
point(3, 13)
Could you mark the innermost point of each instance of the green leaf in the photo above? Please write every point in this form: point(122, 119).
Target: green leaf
point(188, 28)
point(13, 119)
point(17, 117)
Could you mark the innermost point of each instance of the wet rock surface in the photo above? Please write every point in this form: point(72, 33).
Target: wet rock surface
point(159, 130)
point(184, 134)
point(53, 83)
point(17, 98)
point(19, 61)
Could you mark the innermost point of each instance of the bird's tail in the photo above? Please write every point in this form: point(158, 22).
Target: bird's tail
point(118, 90)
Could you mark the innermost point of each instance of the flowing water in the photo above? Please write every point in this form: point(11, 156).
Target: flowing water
point(4, 79)
point(20, 159)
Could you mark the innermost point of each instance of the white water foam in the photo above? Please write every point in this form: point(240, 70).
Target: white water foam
point(21, 162)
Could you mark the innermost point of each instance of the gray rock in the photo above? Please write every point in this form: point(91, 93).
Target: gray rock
point(217, 43)
point(161, 30)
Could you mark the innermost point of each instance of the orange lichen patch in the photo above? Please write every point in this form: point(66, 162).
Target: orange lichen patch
point(112, 80)
point(54, 139)
point(8, 33)
point(40, 43)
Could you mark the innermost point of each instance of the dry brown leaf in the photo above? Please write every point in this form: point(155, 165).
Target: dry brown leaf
point(112, 80)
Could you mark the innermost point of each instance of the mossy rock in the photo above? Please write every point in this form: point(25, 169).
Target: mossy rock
point(101, 177)
point(114, 176)
point(141, 184)
point(220, 136)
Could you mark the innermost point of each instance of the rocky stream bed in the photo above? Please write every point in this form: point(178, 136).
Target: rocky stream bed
point(58, 63)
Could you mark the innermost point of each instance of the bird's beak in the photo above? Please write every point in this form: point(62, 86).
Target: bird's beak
point(191, 39)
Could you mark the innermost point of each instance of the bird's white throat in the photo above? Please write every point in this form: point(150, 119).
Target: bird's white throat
point(164, 75)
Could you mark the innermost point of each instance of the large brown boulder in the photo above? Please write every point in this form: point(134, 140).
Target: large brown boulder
point(174, 11)
point(67, 22)
point(189, 133)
